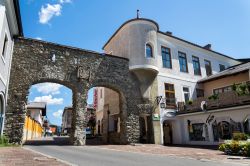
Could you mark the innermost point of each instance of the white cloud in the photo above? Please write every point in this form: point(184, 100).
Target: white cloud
point(48, 88)
point(38, 38)
point(48, 12)
point(58, 113)
point(49, 100)
point(65, 1)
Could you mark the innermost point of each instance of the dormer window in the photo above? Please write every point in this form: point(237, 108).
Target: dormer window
point(149, 51)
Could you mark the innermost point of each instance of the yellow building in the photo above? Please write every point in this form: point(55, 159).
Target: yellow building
point(33, 126)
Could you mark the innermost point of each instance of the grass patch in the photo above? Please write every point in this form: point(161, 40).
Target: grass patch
point(4, 142)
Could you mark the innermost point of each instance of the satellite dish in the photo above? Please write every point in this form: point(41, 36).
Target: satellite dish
point(203, 105)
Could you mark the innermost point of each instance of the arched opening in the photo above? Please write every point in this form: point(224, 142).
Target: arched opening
point(1, 113)
point(49, 113)
point(167, 133)
point(222, 130)
point(105, 120)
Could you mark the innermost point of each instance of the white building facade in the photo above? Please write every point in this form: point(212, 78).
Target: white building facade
point(67, 120)
point(166, 66)
point(10, 26)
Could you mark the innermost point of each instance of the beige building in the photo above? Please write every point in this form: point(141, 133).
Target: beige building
point(106, 103)
point(67, 120)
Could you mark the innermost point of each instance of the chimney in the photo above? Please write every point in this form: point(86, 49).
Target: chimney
point(208, 47)
point(169, 33)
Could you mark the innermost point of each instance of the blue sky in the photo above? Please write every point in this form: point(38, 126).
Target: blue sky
point(89, 24)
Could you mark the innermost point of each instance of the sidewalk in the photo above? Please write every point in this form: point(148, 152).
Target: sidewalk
point(17, 156)
point(184, 152)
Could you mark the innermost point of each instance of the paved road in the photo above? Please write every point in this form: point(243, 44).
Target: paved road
point(97, 156)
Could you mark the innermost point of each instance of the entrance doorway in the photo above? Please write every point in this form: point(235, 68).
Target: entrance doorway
point(146, 128)
point(167, 133)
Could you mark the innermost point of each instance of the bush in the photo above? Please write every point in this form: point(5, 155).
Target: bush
point(241, 148)
point(214, 97)
point(241, 89)
point(4, 140)
point(239, 136)
point(190, 102)
point(246, 149)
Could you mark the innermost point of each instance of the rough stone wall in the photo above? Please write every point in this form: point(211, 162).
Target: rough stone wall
point(38, 61)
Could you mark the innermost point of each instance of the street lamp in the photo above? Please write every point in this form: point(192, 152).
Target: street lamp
point(163, 105)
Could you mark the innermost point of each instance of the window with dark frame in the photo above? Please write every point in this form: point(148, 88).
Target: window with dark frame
point(196, 132)
point(5, 44)
point(186, 93)
point(116, 125)
point(183, 62)
point(149, 51)
point(208, 67)
point(170, 94)
point(196, 65)
point(223, 89)
point(222, 67)
point(199, 93)
point(166, 57)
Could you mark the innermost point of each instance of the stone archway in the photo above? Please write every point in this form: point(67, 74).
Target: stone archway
point(38, 61)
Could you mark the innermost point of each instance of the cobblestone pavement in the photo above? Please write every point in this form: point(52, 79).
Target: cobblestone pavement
point(185, 152)
point(17, 156)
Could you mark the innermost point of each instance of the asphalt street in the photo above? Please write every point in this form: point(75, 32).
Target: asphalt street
point(98, 156)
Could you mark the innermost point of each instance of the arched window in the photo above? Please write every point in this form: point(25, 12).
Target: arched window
point(222, 130)
point(149, 51)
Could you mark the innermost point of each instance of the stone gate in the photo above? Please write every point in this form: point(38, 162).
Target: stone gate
point(38, 61)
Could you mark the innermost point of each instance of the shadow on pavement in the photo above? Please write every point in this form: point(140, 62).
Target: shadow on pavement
point(56, 140)
point(211, 147)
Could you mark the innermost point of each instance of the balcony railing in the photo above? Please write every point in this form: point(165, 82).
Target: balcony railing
point(223, 100)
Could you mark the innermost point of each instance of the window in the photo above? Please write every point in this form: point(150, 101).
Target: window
point(183, 62)
point(222, 130)
point(116, 125)
point(5, 45)
point(199, 93)
point(222, 90)
point(246, 125)
point(186, 94)
point(196, 65)
point(149, 51)
point(198, 132)
point(222, 67)
point(101, 93)
point(208, 67)
point(170, 94)
point(166, 57)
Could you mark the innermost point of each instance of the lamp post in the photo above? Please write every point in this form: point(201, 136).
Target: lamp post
point(163, 105)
